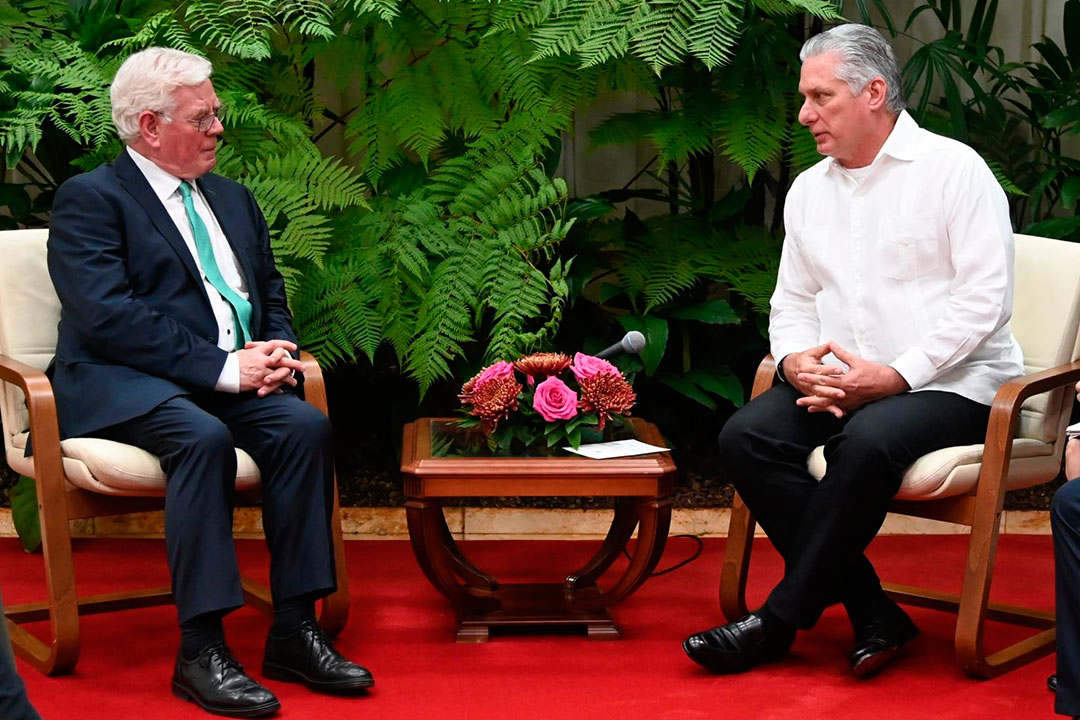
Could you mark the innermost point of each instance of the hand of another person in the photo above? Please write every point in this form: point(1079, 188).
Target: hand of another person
point(266, 366)
point(864, 382)
point(803, 370)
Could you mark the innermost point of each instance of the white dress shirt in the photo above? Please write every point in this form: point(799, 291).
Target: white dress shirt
point(167, 189)
point(907, 262)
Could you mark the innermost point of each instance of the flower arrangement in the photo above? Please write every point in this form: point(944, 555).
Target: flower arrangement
point(545, 400)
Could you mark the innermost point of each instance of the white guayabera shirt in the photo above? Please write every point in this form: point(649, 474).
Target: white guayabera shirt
point(907, 262)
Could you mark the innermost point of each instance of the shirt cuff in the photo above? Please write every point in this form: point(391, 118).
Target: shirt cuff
point(915, 367)
point(229, 379)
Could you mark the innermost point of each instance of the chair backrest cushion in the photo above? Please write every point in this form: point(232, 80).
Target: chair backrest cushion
point(29, 314)
point(1046, 322)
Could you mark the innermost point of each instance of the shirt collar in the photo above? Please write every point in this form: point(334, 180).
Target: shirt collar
point(163, 184)
point(902, 143)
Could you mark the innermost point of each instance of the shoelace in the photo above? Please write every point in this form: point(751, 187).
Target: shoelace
point(221, 652)
point(318, 636)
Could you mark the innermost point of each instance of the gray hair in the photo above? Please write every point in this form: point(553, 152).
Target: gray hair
point(146, 81)
point(863, 55)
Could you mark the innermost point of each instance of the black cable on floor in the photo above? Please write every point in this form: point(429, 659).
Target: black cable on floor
point(681, 563)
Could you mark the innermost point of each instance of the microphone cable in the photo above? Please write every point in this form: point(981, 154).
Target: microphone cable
point(699, 546)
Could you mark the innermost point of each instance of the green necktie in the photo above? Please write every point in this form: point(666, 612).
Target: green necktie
point(241, 308)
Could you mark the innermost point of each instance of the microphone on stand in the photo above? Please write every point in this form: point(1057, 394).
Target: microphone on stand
point(632, 342)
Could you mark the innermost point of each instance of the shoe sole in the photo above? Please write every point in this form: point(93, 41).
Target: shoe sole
point(284, 674)
point(872, 664)
point(258, 711)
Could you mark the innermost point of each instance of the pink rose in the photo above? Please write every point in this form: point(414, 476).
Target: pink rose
point(501, 369)
point(587, 366)
point(554, 400)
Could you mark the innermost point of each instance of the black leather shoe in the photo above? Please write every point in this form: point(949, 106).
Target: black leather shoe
point(739, 645)
point(307, 655)
point(217, 683)
point(1051, 683)
point(878, 642)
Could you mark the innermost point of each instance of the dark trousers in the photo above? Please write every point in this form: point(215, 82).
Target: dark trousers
point(1065, 523)
point(290, 441)
point(13, 702)
point(823, 528)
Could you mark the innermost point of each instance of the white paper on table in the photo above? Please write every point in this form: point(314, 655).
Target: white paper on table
point(616, 448)
point(1073, 430)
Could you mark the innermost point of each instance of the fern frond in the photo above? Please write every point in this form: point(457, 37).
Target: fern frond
point(659, 36)
point(385, 9)
point(237, 27)
point(714, 32)
point(751, 129)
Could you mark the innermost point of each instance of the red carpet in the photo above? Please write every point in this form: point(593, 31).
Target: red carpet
point(402, 629)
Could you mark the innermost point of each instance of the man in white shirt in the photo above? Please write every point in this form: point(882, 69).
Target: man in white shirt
point(890, 322)
point(175, 336)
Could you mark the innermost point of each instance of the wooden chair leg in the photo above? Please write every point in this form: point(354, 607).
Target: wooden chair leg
point(740, 543)
point(978, 574)
point(59, 656)
point(335, 607)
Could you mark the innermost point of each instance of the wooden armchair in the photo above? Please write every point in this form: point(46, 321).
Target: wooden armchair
point(1023, 447)
point(86, 477)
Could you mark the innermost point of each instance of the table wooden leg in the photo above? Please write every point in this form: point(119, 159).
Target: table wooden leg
point(428, 534)
point(654, 519)
point(618, 535)
point(472, 575)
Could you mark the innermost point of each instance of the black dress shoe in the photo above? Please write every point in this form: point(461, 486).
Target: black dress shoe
point(217, 683)
point(307, 655)
point(877, 642)
point(739, 645)
point(1051, 683)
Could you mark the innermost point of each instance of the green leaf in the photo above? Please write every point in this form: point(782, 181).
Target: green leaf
point(719, 381)
point(712, 312)
point(655, 330)
point(1070, 191)
point(687, 388)
point(24, 513)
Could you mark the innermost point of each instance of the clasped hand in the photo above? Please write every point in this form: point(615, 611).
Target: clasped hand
point(266, 366)
point(831, 388)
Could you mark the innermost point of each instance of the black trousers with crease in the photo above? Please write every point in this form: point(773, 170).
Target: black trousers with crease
point(823, 528)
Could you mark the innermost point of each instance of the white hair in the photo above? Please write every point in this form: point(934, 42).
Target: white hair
point(147, 80)
point(863, 55)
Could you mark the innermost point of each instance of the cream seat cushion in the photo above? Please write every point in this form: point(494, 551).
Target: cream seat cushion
point(955, 470)
point(113, 468)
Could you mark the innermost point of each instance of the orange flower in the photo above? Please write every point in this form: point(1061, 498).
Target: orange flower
point(492, 400)
point(606, 395)
point(541, 365)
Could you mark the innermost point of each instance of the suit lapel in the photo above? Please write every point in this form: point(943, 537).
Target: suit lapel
point(135, 183)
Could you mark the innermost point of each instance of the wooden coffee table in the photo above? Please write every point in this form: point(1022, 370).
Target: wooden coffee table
point(642, 488)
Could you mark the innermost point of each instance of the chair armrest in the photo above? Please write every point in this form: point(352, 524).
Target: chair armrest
point(44, 429)
point(1005, 411)
point(765, 377)
point(314, 385)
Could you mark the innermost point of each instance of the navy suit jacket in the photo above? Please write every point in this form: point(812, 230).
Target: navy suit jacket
point(136, 326)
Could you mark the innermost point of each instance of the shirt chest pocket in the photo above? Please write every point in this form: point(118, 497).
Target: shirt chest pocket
point(909, 247)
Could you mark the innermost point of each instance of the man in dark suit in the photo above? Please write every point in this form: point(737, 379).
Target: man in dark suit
point(14, 704)
point(1065, 522)
point(175, 336)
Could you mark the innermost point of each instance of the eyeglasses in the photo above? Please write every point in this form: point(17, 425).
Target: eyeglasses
point(203, 123)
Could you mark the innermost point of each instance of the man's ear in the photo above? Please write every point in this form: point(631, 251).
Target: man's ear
point(877, 90)
point(150, 127)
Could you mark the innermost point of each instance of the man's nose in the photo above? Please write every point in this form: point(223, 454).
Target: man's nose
point(806, 114)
